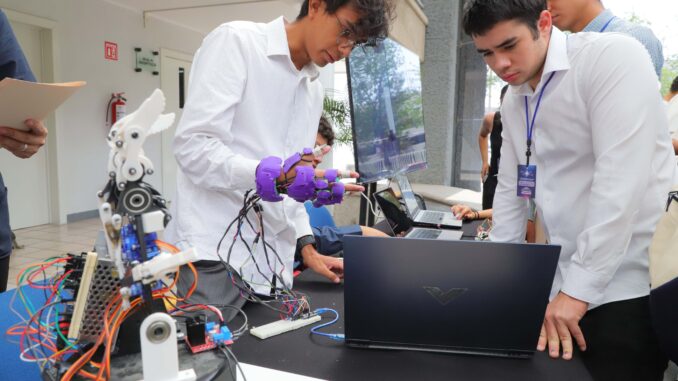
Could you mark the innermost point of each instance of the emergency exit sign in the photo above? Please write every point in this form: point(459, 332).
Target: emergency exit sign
point(111, 50)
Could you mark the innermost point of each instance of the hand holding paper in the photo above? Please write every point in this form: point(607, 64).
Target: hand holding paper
point(23, 106)
point(24, 144)
point(23, 100)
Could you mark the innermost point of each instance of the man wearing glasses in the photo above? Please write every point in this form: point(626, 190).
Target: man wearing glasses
point(254, 92)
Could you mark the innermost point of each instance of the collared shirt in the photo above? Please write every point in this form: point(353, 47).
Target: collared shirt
point(604, 164)
point(246, 101)
point(639, 32)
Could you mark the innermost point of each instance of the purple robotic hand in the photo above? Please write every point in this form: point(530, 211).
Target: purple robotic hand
point(329, 190)
point(305, 186)
point(266, 177)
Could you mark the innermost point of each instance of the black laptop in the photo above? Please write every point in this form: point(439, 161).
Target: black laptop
point(468, 297)
point(401, 224)
point(421, 217)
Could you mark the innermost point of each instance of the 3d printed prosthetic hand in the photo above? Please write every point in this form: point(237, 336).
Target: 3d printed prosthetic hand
point(302, 185)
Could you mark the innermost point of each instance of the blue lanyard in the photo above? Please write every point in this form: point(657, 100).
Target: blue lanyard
point(530, 126)
point(607, 23)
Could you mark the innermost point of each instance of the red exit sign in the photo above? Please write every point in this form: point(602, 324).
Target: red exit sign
point(111, 50)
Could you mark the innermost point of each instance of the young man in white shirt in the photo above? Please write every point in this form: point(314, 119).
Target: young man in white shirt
point(253, 93)
point(585, 135)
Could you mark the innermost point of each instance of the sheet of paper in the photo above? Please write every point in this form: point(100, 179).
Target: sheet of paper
point(21, 100)
point(257, 373)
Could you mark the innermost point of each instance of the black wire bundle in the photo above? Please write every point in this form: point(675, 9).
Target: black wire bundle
point(281, 292)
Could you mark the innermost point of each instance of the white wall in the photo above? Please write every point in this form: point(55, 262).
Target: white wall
point(82, 26)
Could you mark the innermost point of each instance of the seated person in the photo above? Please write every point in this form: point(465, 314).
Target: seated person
point(328, 238)
point(467, 213)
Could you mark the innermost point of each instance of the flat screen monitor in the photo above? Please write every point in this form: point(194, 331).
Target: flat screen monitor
point(386, 111)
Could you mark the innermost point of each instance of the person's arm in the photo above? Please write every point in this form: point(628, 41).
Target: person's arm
point(624, 140)
point(13, 64)
point(509, 212)
point(483, 137)
point(465, 212)
point(675, 146)
point(203, 137)
point(330, 267)
point(372, 232)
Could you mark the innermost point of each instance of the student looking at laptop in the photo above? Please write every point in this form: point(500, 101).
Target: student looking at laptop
point(584, 112)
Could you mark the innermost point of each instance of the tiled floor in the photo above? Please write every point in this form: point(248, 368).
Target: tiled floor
point(44, 241)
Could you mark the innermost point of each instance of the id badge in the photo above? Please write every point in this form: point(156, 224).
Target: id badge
point(527, 181)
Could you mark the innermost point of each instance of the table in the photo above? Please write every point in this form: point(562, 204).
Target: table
point(315, 356)
point(311, 355)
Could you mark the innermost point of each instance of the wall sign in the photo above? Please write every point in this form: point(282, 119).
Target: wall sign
point(146, 61)
point(110, 50)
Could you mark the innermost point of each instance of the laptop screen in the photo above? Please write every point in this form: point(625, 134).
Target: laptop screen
point(389, 204)
point(408, 195)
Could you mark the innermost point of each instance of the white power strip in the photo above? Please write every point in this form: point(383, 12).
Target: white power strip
point(282, 326)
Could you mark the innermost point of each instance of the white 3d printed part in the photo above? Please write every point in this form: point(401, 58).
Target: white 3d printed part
point(282, 326)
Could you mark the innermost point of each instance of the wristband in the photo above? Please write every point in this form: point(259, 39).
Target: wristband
point(266, 175)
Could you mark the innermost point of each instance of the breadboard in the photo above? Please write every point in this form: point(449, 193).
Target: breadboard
point(282, 326)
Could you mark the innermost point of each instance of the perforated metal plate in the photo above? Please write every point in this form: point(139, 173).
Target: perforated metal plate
point(103, 288)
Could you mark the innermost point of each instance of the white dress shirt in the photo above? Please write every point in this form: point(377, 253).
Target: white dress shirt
point(603, 158)
point(246, 101)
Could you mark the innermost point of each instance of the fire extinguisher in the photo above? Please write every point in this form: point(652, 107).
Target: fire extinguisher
point(116, 108)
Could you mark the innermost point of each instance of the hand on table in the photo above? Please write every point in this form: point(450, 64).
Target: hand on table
point(463, 212)
point(561, 326)
point(330, 267)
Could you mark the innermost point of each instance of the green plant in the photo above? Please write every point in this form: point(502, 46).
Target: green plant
point(337, 112)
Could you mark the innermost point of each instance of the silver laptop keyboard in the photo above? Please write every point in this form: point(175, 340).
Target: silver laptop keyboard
point(424, 233)
point(431, 217)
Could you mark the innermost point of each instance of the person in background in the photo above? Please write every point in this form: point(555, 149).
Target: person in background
point(591, 16)
point(22, 144)
point(672, 108)
point(490, 129)
point(466, 213)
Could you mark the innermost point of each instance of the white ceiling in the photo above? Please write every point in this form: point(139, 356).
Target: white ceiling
point(204, 15)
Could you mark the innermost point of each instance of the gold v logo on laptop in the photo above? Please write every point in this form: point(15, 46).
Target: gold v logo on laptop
point(445, 297)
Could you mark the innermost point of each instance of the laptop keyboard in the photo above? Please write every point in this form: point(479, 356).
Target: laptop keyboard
point(431, 217)
point(424, 233)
